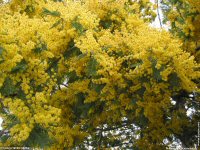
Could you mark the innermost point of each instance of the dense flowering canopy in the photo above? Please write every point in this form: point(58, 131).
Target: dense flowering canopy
point(69, 68)
point(184, 17)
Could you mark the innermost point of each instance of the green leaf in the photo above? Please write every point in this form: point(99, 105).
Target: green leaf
point(141, 91)
point(1, 56)
point(40, 49)
point(20, 67)
point(97, 87)
point(4, 138)
point(78, 26)
point(135, 65)
point(174, 1)
point(1, 50)
point(142, 121)
point(71, 51)
point(105, 48)
point(8, 88)
point(52, 13)
point(72, 77)
point(164, 21)
point(133, 101)
point(156, 72)
point(81, 56)
point(12, 119)
point(91, 68)
point(81, 109)
point(174, 80)
point(53, 64)
point(56, 23)
point(181, 20)
point(20, 94)
point(29, 9)
point(106, 24)
point(38, 137)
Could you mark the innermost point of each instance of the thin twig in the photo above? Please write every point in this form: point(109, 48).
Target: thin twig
point(100, 138)
point(157, 3)
point(4, 132)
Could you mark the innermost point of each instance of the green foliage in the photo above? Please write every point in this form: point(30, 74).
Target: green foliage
point(41, 48)
point(97, 87)
point(12, 120)
point(57, 23)
point(81, 109)
point(156, 72)
point(20, 67)
point(174, 80)
point(79, 27)
point(53, 65)
point(1, 53)
point(133, 65)
point(106, 24)
point(1, 50)
point(8, 87)
point(38, 138)
point(72, 51)
point(4, 138)
point(51, 13)
point(91, 68)
point(118, 95)
point(72, 77)
point(29, 9)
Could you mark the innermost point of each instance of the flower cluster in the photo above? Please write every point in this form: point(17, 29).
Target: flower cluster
point(72, 66)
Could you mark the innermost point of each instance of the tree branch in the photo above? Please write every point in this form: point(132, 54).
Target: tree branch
point(100, 138)
point(159, 17)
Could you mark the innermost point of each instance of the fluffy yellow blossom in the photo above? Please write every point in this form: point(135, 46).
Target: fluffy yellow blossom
point(71, 69)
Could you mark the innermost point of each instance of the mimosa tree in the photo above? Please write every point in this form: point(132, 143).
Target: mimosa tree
point(75, 74)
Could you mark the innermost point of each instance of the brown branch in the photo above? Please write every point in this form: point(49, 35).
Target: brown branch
point(100, 138)
point(111, 128)
point(1, 133)
point(157, 3)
